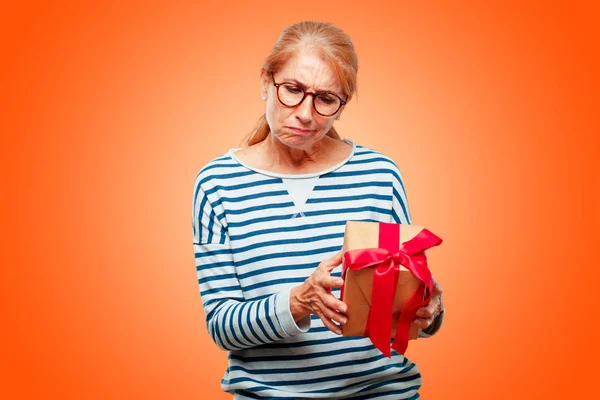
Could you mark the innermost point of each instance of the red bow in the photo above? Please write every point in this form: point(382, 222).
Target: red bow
point(387, 260)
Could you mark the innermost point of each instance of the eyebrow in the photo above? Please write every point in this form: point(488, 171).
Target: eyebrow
point(304, 86)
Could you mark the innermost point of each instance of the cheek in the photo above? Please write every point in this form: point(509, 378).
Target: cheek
point(271, 114)
point(277, 117)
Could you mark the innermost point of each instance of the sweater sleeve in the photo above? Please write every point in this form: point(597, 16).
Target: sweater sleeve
point(233, 322)
point(401, 215)
point(400, 211)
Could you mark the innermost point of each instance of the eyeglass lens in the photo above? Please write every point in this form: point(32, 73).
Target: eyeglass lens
point(291, 95)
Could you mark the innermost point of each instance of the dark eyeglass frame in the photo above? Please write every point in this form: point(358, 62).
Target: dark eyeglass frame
point(277, 85)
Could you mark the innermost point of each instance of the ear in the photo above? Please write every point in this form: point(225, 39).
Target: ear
point(264, 83)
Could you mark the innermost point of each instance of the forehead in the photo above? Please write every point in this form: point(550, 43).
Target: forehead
point(310, 70)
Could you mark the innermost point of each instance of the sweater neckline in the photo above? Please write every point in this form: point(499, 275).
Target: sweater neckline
point(231, 154)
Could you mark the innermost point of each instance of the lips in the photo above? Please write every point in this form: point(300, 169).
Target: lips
point(299, 130)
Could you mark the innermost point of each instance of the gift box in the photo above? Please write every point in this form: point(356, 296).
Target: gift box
point(386, 280)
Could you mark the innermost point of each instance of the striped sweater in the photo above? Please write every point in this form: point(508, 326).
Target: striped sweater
point(257, 234)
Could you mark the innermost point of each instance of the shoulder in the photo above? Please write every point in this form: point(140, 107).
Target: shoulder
point(218, 163)
point(371, 158)
point(216, 169)
point(366, 158)
point(207, 176)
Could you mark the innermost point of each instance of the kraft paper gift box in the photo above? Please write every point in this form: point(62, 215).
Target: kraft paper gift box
point(382, 255)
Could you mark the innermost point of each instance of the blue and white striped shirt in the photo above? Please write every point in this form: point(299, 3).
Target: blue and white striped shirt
point(253, 243)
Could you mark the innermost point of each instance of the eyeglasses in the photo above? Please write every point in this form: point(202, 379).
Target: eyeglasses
point(324, 103)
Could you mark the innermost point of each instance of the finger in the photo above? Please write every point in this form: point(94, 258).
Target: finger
point(423, 323)
point(436, 286)
point(424, 312)
point(334, 316)
point(431, 307)
point(434, 306)
point(337, 257)
point(333, 303)
point(420, 323)
point(331, 282)
point(333, 262)
point(331, 313)
point(329, 324)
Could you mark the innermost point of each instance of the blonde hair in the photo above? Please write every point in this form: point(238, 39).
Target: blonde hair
point(330, 43)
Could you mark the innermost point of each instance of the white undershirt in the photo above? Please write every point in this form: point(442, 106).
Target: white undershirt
point(299, 189)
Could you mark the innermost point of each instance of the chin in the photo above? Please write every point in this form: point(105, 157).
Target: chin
point(297, 141)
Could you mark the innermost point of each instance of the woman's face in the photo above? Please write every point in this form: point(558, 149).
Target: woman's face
point(310, 72)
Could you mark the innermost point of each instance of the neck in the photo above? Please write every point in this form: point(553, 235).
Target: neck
point(284, 157)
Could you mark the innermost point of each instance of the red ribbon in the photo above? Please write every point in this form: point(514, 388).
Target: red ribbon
point(387, 260)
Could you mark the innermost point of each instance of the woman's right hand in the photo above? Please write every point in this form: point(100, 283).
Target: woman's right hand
point(314, 296)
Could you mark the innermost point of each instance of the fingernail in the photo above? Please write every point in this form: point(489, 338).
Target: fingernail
point(344, 320)
point(343, 309)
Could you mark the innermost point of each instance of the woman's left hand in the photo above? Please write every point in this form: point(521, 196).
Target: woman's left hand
point(426, 315)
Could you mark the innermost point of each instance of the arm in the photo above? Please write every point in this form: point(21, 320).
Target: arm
point(233, 322)
point(401, 215)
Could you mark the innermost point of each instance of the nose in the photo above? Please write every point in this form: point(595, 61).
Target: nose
point(305, 109)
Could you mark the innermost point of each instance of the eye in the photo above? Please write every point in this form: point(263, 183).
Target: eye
point(292, 89)
point(327, 99)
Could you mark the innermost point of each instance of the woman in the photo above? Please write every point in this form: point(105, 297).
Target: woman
point(268, 224)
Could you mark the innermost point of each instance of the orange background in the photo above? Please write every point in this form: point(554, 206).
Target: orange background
point(110, 110)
